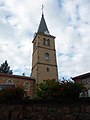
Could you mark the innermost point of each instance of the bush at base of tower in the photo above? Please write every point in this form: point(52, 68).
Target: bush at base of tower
point(50, 89)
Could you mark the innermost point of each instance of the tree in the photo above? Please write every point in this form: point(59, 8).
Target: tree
point(47, 89)
point(23, 74)
point(4, 68)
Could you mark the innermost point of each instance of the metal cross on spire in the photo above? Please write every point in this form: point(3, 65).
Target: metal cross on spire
point(42, 8)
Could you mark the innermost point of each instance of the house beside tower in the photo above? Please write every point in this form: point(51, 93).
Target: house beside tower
point(44, 63)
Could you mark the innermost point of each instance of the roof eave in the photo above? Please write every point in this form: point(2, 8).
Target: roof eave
point(82, 76)
point(16, 76)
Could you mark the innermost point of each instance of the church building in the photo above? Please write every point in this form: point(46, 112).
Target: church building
point(44, 63)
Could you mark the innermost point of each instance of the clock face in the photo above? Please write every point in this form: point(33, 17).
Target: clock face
point(46, 32)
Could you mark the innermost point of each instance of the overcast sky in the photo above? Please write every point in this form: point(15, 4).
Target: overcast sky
point(68, 20)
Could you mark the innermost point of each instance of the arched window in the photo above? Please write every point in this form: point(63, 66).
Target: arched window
point(26, 86)
point(47, 56)
point(46, 42)
point(9, 82)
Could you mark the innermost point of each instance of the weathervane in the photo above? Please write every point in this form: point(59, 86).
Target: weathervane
point(42, 8)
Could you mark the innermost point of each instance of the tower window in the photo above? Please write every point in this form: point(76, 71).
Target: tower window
point(47, 56)
point(47, 69)
point(46, 41)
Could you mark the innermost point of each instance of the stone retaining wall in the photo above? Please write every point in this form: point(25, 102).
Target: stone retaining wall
point(70, 109)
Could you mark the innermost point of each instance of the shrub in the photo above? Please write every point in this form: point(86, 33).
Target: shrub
point(70, 89)
point(11, 93)
point(52, 89)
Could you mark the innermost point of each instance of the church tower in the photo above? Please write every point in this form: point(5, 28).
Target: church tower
point(44, 64)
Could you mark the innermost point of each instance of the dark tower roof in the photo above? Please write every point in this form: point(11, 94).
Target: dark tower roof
point(42, 26)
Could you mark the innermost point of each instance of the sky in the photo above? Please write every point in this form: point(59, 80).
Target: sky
point(67, 20)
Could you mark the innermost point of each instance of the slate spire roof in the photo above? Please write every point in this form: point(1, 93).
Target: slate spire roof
point(42, 26)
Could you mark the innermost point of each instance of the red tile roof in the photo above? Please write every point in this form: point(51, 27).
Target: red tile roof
point(16, 76)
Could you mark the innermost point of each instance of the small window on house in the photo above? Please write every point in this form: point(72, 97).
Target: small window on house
point(9, 82)
point(26, 86)
point(84, 81)
point(47, 56)
point(47, 69)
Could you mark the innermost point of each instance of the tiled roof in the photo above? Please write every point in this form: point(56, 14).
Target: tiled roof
point(16, 76)
point(82, 76)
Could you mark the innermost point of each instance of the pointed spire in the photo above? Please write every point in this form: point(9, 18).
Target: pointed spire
point(42, 26)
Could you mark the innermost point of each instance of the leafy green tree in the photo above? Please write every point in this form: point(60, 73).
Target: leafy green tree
point(4, 68)
point(46, 90)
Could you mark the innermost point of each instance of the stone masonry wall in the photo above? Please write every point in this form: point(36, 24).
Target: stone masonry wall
point(70, 109)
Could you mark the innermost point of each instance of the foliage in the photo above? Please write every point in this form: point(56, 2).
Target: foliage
point(47, 89)
point(11, 93)
point(4, 68)
point(52, 89)
point(70, 89)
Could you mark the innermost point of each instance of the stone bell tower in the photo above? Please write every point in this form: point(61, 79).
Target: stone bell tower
point(44, 64)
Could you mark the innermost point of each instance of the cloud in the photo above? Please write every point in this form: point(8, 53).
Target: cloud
point(73, 40)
